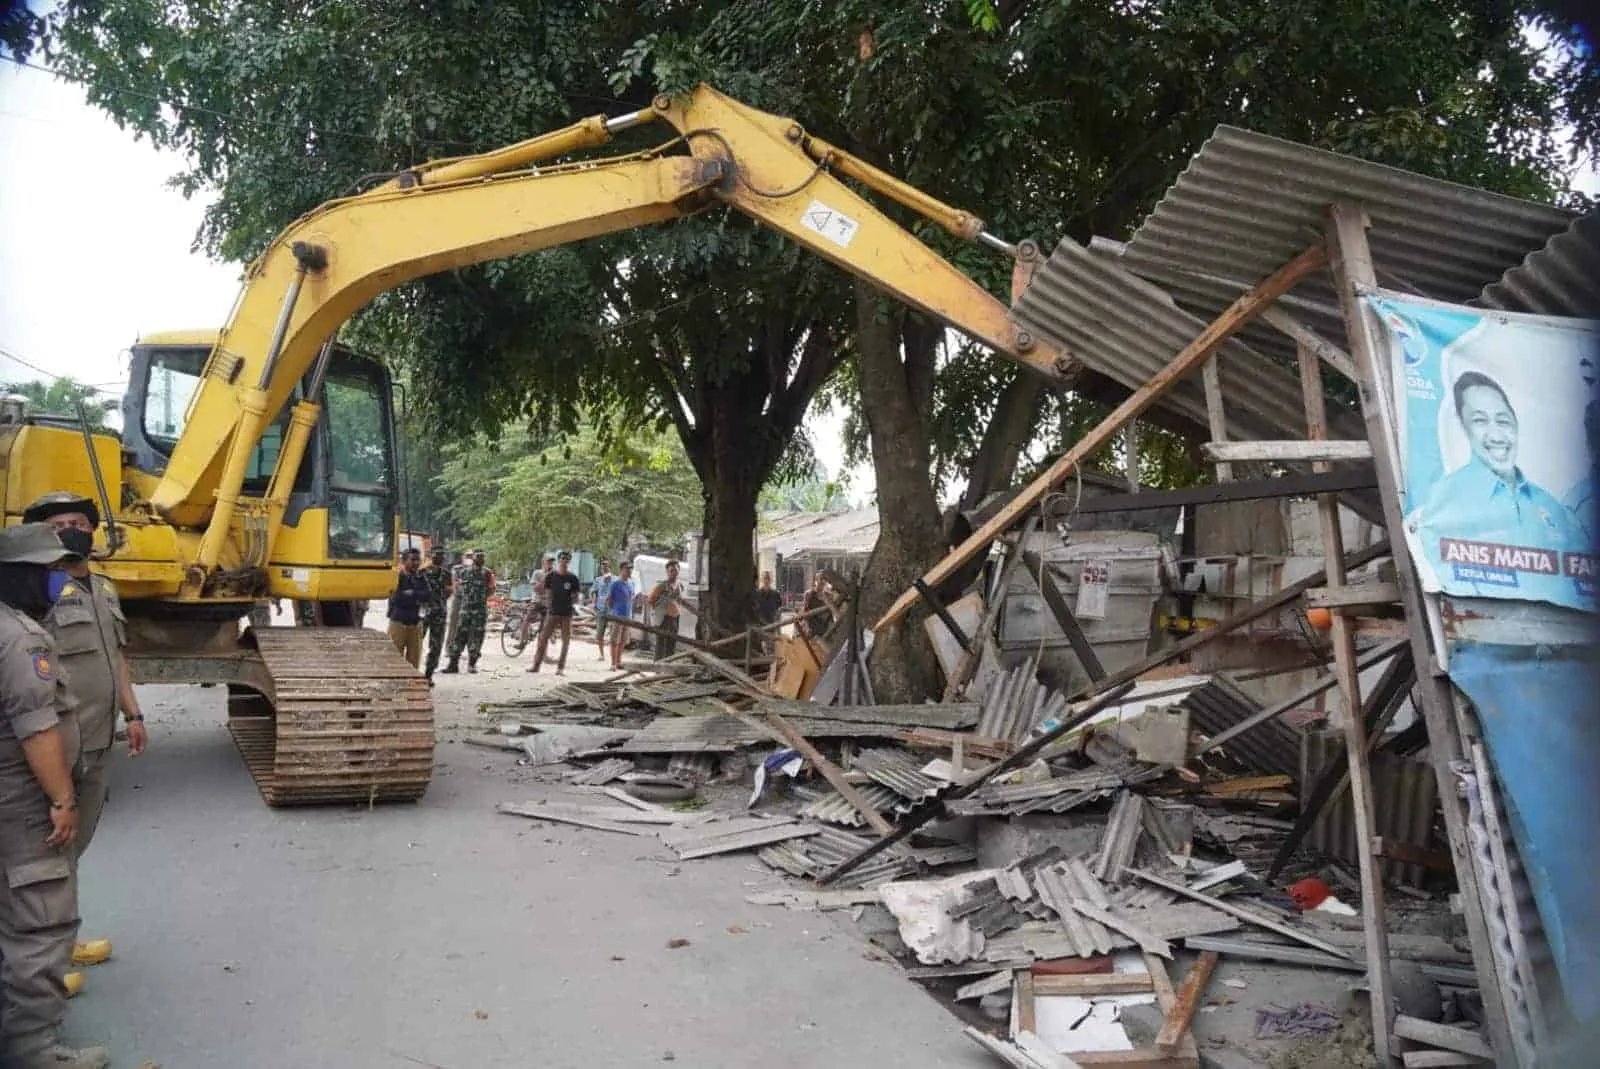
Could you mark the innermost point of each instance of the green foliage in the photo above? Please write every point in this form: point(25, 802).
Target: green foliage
point(62, 397)
point(806, 495)
point(587, 490)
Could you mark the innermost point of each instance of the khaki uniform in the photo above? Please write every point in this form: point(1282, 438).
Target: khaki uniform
point(39, 896)
point(90, 631)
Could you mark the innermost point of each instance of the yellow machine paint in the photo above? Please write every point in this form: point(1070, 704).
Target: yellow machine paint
point(257, 462)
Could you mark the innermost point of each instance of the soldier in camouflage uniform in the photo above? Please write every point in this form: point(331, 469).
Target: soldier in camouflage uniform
point(472, 609)
point(435, 613)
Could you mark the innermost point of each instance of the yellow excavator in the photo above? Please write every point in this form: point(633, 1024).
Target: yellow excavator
point(258, 462)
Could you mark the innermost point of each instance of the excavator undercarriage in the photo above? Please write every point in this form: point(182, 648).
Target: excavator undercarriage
point(320, 714)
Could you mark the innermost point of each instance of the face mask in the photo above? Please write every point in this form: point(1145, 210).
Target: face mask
point(26, 588)
point(76, 541)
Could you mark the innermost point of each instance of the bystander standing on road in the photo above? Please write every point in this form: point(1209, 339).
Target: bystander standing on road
point(38, 813)
point(435, 618)
point(90, 633)
point(620, 596)
point(406, 606)
point(769, 607)
point(665, 598)
point(597, 601)
point(472, 610)
point(561, 589)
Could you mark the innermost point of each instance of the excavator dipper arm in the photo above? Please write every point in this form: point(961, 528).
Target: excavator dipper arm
point(327, 265)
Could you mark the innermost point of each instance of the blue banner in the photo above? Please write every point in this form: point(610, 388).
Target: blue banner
point(1499, 427)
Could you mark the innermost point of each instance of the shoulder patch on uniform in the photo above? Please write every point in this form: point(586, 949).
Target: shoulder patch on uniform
point(43, 668)
point(68, 589)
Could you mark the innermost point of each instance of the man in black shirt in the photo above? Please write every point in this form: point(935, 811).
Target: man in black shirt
point(561, 588)
point(769, 606)
point(411, 596)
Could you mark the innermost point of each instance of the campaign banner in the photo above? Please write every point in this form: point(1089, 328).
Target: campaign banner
point(1499, 428)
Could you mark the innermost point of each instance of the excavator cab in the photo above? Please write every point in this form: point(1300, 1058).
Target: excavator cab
point(337, 543)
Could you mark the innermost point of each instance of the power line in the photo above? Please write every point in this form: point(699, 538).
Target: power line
point(52, 376)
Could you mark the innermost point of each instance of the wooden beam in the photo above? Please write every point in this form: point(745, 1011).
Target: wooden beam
point(1195, 353)
point(974, 653)
point(1442, 1035)
point(1182, 1015)
point(1355, 732)
point(1345, 596)
point(1411, 854)
point(925, 592)
point(1027, 990)
point(1295, 485)
point(1232, 623)
point(1216, 415)
point(1281, 320)
point(776, 725)
point(1086, 984)
point(1243, 914)
point(1287, 451)
point(1065, 618)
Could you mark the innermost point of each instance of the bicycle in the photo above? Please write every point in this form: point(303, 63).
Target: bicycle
point(519, 626)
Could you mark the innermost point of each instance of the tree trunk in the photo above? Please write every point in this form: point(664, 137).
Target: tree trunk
point(894, 398)
point(1010, 427)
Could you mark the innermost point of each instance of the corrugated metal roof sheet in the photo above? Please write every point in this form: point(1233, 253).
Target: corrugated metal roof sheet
point(834, 809)
point(1247, 203)
point(1560, 279)
point(1128, 329)
point(852, 531)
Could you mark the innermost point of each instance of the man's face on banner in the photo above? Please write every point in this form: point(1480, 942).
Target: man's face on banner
point(1491, 429)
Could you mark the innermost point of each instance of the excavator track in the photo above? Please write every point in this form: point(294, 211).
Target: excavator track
point(347, 719)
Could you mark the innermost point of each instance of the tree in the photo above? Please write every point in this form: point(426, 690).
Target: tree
point(585, 491)
point(1070, 119)
point(806, 495)
point(709, 327)
point(63, 397)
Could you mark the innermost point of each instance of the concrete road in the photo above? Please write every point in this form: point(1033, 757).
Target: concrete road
point(442, 934)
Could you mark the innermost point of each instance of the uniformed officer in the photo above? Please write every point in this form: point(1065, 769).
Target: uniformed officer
point(472, 608)
point(90, 632)
point(435, 615)
point(38, 813)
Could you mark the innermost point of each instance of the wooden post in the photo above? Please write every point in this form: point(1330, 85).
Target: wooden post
point(1343, 641)
point(970, 658)
point(1216, 416)
point(1182, 1015)
point(1065, 617)
point(1195, 353)
point(1351, 263)
point(1130, 454)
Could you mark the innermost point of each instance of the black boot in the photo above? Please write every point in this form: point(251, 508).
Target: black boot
point(452, 668)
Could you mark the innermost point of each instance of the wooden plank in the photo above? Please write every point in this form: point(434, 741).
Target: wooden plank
point(1329, 597)
point(1437, 1059)
point(1087, 984)
point(1239, 619)
point(969, 657)
point(932, 739)
point(1195, 353)
point(1138, 1058)
point(1216, 415)
point(925, 592)
point(787, 733)
point(1286, 451)
point(1006, 1052)
point(947, 716)
point(1182, 1015)
point(1243, 914)
point(1026, 1010)
point(1041, 1052)
point(1442, 1035)
point(1348, 674)
point(1187, 1055)
point(1411, 854)
point(1065, 618)
point(1354, 477)
point(1351, 263)
point(540, 813)
point(1281, 320)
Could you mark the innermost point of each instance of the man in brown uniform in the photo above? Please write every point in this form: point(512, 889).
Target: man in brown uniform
point(38, 813)
point(89, 629)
